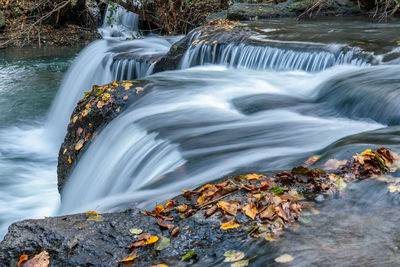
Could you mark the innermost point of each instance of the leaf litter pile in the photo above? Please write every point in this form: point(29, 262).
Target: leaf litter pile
point(263, 206)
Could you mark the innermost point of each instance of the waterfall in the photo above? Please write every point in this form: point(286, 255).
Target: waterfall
point(101, 62)
point(188, 130)
point(268, 58)
point(119, 23)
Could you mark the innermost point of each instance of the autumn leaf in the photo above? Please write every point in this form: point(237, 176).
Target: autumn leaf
point(65, 151)
point(92, 213)
point(151, 240)
point(210, 211)
point(233, 255)
point(22, 259)
point(230, 208)
point(229, 225)
point(139, 89)
point(69, 160)
point(175, 231)
point(163, 224)
point(162, 243)
point(189, 255)
point(135, 231)
point(268, 213)
point(100, 104)
point(204, 188)
point(125, 98)
point(144, 236)
point(127, 86)
point(182, 208)
point(254, 176)
point(242, 263)
point(130, 257)
point(250, 210)
point(115, 84)
point(210, 191)
point(201, 200)
point(333, 164)
point(79, 145)
point(159, 265)
point(40, 260)
point(96, 218)
point(118, 109)
point(74, 119)
point(310, 161)
point(284, 258)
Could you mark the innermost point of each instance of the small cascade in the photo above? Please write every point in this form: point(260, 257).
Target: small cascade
point(119, 24)
point(268, 58)
point(99, 63)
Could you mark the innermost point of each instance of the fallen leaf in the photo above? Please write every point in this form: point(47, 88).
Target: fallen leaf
point(284, 258)
point(65, 151)
point(333, 164)
point(152, 239)
point(127, 86)
point(233, 255)
point(175, 231)
point(189, 255)
point(40, 260)
point(242, 263)
point(159, 265)
point(229, 225)
point(69, 160)
point(254, 176)
point(210, 211)
point(92, 213)
point(182, 208)
point(310, 161)
point(79, 145)
point(139, 243)
point(230, 208)
point(100, 104)
point(250, 210)
point(143, 236)
point(22, 259)
point(96, 218)
point(268, 213)
point(163, 224)
point(115, 84)
point(269, 237)
point(135, 231)
point(162, 243)
point(74, 119)
point(204, 188)
point(130, 257)
point(125, 98)
point(139, 89)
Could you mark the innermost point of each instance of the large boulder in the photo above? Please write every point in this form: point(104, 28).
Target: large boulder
point(93, 112)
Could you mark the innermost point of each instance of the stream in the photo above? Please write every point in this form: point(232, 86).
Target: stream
point(241, 109)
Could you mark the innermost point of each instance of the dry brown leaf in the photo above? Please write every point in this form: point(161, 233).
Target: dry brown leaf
point(22, 259)
point(40, 260)
point(182, 208)
point(143, 236)
point(175, 231)
point(268, 213)
point(163, 224)
point(254, 176)
point(210, 211)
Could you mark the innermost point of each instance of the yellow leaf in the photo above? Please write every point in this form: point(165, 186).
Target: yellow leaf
point(284, 258)
point(96, 218)
point(201, 200)
point(65, 151)
point(152, 239)
point(92, 213)
point(85, 112)
point(69, 160)
point(254, 176)
point(127, 86)
point(115, 84)
point(204, 188)
point(229, 225)
point(100, 104)
point(74, 119)
point(250, 210)
point(88, 105)
point(230, 208)
point(311, 160)
point(214, 42)
point(159, 265)
point(125, 97)
point(129, 258)
point(159, 209)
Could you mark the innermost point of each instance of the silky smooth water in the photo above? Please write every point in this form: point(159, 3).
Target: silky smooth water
point(198, 124)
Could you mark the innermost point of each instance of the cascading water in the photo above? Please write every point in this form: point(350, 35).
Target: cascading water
point(119, 23)
point(266, 108)
point(268, 58)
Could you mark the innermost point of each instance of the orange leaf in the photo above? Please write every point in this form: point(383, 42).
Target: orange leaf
point(250, 210)
point(182, 208)
point(201, 200)
point(152, 239)
point(115, 84)
point(204, 188)
point(159, 209)
point(170, 204)
point(92, 212)
point(22, 259)
point(69, 160)
point(210, 191)
point(130, 257)
point(125, 97)
point(230, 208)
point(79, 145)
point(229, 225)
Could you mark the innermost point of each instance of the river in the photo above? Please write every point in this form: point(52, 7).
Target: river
point(328, 87)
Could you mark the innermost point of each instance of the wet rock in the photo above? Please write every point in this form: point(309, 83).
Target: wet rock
point(254, 10)
point(99, 106)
